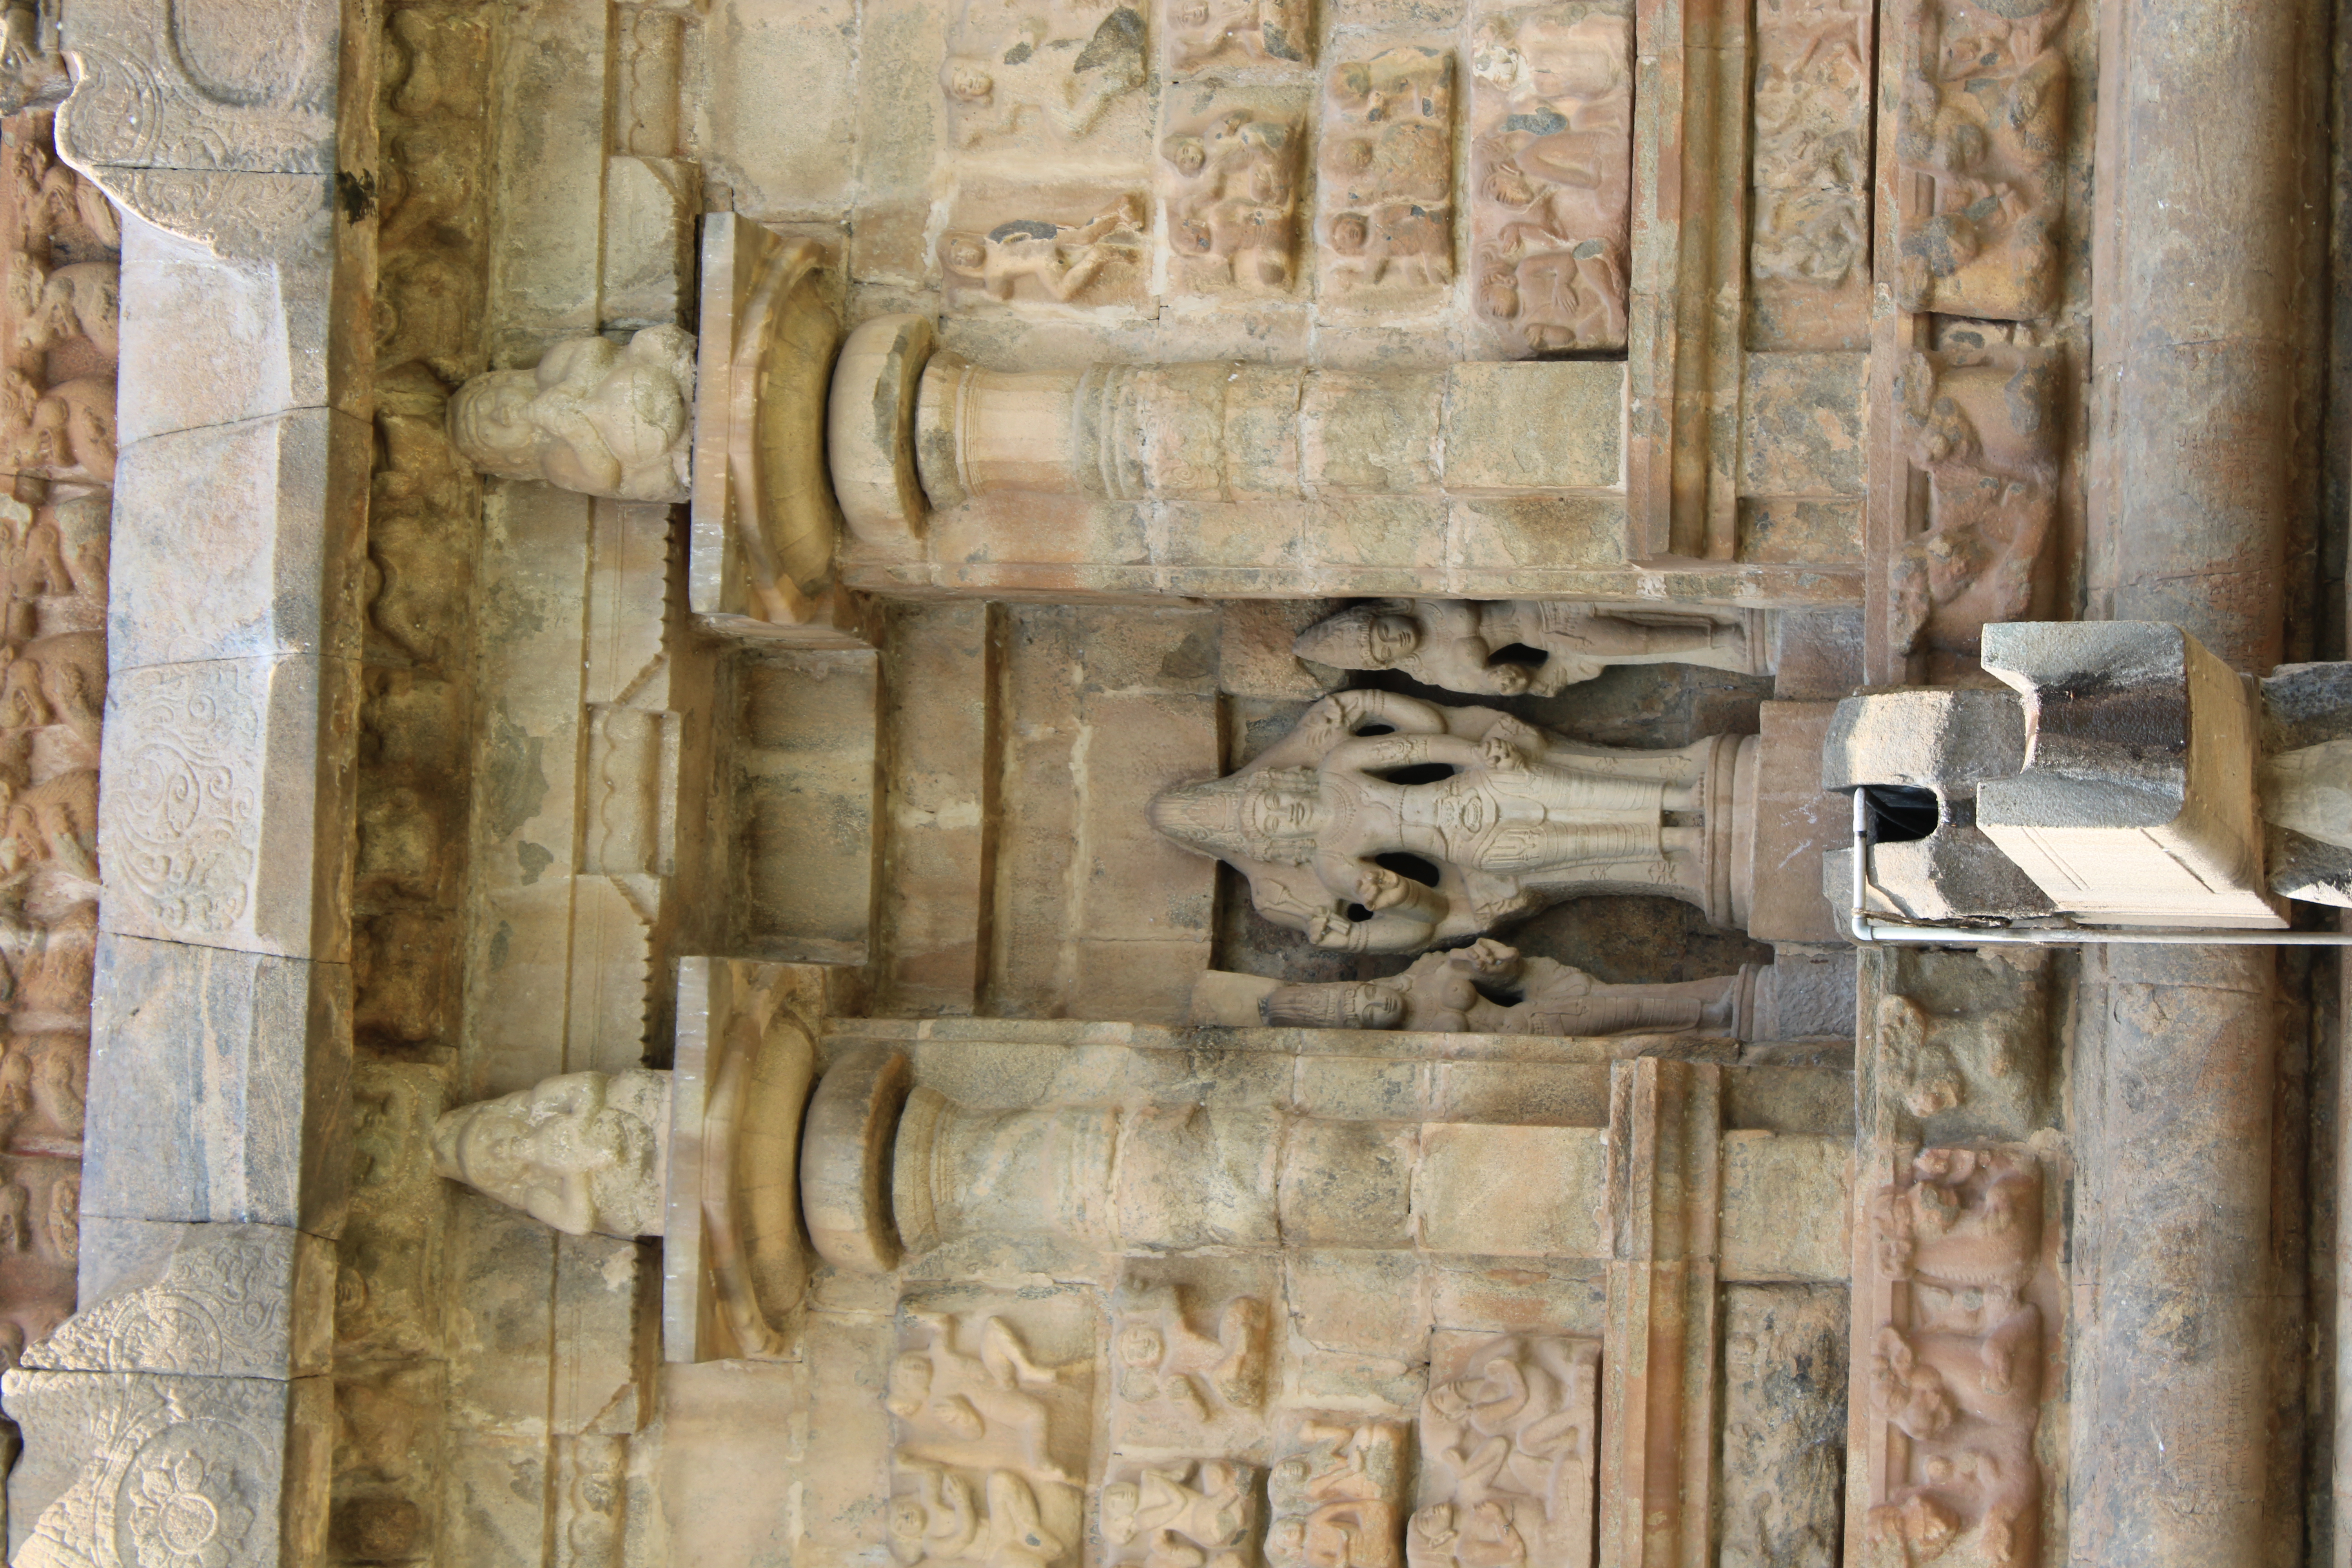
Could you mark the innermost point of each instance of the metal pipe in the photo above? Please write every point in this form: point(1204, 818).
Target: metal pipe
point(1866, 929)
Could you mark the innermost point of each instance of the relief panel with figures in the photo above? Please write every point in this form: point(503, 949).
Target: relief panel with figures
point(1385, 173)
point(1979, 142)
point(1551, 123)
point(1809, 241)
point(1229, 167)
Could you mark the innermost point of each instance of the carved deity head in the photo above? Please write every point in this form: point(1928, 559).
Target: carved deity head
point(1273, 814)
point(1188, 154)
point(1362, 1004)
point(1119, 1501)
point(968, 81)
point(1368, 636)
point(1351, 234)
point(585, 1152)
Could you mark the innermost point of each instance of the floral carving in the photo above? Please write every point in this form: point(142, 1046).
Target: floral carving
point(185, 1509)
point(186, 836)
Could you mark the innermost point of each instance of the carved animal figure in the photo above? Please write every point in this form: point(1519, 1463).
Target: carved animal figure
point(56, 680)
point(66, 432)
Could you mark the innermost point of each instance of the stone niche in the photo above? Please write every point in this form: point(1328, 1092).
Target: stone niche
point(888, 782)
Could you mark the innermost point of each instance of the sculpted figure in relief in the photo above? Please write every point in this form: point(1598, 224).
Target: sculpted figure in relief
point(1456, 993)
point(1436, 823)
point(1551, 163)
point(1337, 1497)
point(1980, 125)
point(940, 1523)
point(32, 66)
point(1979, 422)
point(1508, 1452)
point(593, 416)
point(1236, 190)
point(1959, 1369)
point(1257, 32)
point(1173, 1382)
point(1061, 258)
point(973, 1411)
point(1054, 62)
point(583, 1151)
point(1505, 647)
point(1172, 1519)
point(1388, 170)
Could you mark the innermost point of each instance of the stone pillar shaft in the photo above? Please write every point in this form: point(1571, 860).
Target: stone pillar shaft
point(2198, 313)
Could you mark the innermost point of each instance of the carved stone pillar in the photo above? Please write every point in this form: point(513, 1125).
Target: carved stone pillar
point(2200, 327)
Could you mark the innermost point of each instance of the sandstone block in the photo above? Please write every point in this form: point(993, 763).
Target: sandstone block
point(239, 541)
point(1550, 426)
point(1511, 1191)
point(1349, 1183)
point(218, 1086)
point(1785, 1203)
point(211, 337)
point(228, 807)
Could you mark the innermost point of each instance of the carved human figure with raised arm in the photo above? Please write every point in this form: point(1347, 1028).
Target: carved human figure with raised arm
point(1508, 646)
point(1385, 824)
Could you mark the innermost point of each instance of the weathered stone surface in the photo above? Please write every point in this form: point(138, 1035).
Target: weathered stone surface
point(1785, 1202)
point(239, 541)
point(1784, 1427)
point(219, 1087)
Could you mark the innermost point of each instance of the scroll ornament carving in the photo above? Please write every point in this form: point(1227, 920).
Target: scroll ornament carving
point(979, 1479)
point(188, 843)
point(214, 1314)
point(1980, 423)
point(193, 90)
point(1384, 824)
point(585, 1152)
point(1387, 172)
point(1981, 128)
point(1551, 172)
point(1457, 992)
point(592, 416)
point(1958, 1370)
point(1337, 1493)
point(1061, 65)
point(1510, 1446)
point(1536, 647)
